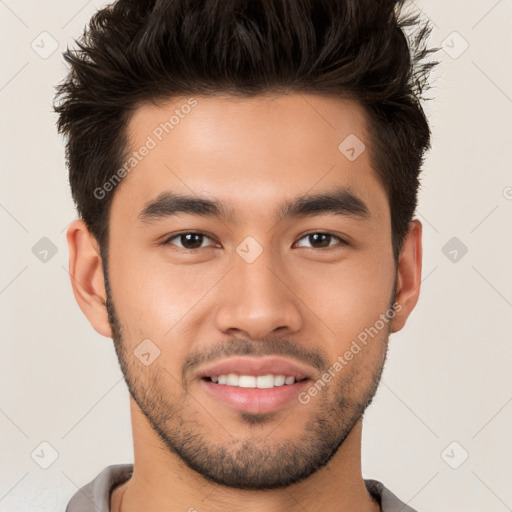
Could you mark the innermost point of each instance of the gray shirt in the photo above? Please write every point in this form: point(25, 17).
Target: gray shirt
point(95, 496)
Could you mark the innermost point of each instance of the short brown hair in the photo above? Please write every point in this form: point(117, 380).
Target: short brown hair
point(150, 50)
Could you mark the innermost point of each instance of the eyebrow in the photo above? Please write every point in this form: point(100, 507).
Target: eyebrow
point(340, 201)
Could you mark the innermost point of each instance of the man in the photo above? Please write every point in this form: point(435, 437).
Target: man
point(246, 177)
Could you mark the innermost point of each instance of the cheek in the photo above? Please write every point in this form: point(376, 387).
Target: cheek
point(350, 297)
point(152, 296)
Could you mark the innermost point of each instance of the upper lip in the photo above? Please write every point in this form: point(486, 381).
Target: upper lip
point(256, 366)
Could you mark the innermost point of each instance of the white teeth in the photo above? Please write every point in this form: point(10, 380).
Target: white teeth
point(246, 381)
point(250, 381)
point(265, 381)
point(232, 379)
point(279, 380)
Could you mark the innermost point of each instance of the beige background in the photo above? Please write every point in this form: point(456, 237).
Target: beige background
point(448, 376)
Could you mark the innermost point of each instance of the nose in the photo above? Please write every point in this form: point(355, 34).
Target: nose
point(257, 299)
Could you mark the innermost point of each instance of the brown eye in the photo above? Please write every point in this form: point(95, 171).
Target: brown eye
point(320, 240)
point(188, 240)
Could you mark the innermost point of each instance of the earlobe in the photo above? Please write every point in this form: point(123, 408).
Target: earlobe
point(87, 280)
point(408, 276)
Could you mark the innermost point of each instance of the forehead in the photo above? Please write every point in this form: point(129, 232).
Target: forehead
point(248, 152)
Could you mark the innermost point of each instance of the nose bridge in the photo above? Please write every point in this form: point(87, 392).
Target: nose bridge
point(256, 299)
point(257, 279)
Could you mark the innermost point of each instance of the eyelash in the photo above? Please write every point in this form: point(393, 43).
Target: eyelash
point(167, 241)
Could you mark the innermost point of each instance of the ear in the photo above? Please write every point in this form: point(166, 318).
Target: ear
point(408, 276)
point(86, 271)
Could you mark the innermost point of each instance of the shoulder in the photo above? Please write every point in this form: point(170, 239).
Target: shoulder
point(388, 501)
point(95, 495)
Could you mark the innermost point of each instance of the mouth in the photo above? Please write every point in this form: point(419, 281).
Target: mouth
point(255, 385)
point(254, 381)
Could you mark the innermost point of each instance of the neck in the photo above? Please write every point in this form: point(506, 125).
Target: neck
point(161, 481)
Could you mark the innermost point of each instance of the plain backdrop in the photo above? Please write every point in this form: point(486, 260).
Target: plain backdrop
point(438, 432)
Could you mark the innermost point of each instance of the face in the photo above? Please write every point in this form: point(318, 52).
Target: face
point(246, 249)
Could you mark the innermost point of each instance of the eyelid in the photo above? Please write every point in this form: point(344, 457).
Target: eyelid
point(341, 241)
point(167, 240)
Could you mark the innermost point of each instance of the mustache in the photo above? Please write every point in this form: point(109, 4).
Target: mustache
point(316, 358)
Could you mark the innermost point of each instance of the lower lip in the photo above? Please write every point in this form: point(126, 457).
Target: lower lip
point(255, 400)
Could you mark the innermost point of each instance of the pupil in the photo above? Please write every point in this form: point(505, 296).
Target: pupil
point(324, 242)
point(191, 244)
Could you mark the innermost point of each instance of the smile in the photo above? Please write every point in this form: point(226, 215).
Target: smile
point(254, 381)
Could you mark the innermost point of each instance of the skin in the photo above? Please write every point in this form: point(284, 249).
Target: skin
point(296, 299)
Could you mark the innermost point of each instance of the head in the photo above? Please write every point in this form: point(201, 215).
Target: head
point(296, 132)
